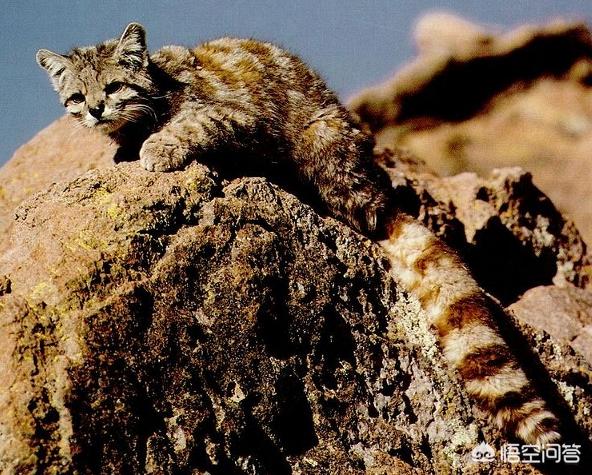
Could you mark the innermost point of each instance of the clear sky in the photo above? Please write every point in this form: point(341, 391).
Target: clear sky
point(351, 43)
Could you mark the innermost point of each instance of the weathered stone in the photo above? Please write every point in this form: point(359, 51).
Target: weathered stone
point(40, 162)
point(508, 231)
point(161, 323)
point(474, 100)
point(565, 313)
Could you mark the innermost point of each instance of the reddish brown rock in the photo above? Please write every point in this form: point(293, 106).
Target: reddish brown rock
point(475, 100)
point(565, 313)
point(40, 162)
point(167, 322)
point(177, 322)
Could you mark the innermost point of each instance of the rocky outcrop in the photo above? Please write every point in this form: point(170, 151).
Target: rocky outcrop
point(173, 323)
point(474, 100)
point(40, 162)
point(565, 313)
point(508, 231)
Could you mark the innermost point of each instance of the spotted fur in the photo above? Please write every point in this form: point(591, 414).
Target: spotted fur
point(245, 95)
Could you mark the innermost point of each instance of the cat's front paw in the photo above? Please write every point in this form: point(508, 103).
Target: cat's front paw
point(162, 153)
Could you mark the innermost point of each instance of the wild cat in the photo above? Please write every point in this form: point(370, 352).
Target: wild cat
point(180, 104)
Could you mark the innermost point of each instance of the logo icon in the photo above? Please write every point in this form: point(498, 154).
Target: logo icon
point(483, 453)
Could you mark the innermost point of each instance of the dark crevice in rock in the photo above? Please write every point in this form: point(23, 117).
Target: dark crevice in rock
point(264, 455)
point(505, 266)
point(275, 324)
point(293, 422)
point(5, 285)
point(404, 452)
point(411, 416)
point(335, 344)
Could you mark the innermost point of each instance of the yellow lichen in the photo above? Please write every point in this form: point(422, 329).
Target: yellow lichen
point(40, 291)
point(89, 241)
point(113, 211)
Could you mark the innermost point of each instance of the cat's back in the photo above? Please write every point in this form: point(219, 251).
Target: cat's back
point(232, 68)
point(250, 61)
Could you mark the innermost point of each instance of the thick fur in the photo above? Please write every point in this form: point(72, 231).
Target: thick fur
point(463, 319)
point(181, 104)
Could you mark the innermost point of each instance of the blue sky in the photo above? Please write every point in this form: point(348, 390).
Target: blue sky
point(351, 43)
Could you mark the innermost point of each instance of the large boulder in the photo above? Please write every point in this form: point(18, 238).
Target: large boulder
point(563, 312)
point(175, 323)
point(62, 151)
point(476, 99)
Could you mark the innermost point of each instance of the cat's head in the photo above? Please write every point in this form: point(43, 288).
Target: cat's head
point(104, 86)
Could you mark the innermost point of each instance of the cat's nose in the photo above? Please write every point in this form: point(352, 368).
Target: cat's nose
point(97, 111)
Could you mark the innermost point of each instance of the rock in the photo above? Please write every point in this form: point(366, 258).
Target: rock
point(441, 33)
point(565, 313)
point(475, 100)
point(582, 343)
point(178, 324)
point(166, 323)
point(40, 162)
point(506, 229)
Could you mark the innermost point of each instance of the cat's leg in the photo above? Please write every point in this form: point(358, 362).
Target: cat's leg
point(336, 158)
point(194, 131)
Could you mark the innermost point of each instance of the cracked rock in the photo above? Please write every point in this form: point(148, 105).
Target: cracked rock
point(178, 322)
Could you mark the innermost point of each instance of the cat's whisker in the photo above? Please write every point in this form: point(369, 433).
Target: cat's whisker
point(139, 109)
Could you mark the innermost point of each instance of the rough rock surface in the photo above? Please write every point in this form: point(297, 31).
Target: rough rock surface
point(507, 230)
point(474, 100)
point(565, 313)
point(176, 323)
point(40, 162)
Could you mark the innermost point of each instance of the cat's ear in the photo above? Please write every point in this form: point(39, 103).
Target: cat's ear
point(131, 49)
point(55, 65)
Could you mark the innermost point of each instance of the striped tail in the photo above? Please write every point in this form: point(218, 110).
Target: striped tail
point(460, 313)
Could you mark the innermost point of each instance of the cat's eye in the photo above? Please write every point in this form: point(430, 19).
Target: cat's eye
point(75, 98)
point(113, 87)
